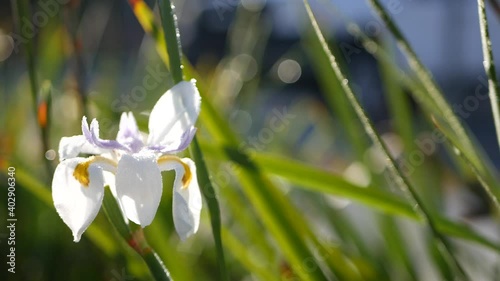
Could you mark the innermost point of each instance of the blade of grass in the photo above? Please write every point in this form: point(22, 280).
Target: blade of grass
point(241, 253)
point(244, 217)
point(316, 180)
point(213, 205)
point(398, 177)
point(21, 10)
point(434, 94)
point(173, 47)
point(337, 103)
point(489, 66)
point(146, 19)
point(458, 149)
point(415, 89)
point(218, 127)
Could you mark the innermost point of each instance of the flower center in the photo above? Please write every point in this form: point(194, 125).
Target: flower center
point(81, 172)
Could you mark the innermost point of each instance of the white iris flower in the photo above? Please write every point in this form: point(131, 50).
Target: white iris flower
point(136, 163)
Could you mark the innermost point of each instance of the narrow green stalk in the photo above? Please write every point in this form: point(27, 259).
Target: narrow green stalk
point(114, 214)
point(399, 179)
point(134, 236)
point(489, 66)
point(429, 84)
point(155, 265)
point(172, 39)
point(20, 10)
point(213, 205)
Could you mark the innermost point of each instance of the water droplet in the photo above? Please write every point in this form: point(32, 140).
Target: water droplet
point(345, 82)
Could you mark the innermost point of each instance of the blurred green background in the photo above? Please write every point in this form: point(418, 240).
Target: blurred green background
point(312, 178)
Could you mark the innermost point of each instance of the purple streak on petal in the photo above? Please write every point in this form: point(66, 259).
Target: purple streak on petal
point(85, 130)
point(128, 134)
point(107, 144)
point(185, 140)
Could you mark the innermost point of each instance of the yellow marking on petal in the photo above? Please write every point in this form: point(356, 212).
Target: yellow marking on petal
point(186, 179)
point(81, 172)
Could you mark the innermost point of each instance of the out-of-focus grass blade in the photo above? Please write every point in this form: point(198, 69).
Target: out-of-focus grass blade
point(459, 151)
point(397, 176)
point(317, 180)
point(386, 61)
point(146, 18)
point(174, 51)
point(99, 237)
point(213, 205)
point(241, 253)
point(397, 101)
point(21, 11)
point(243, 217)
point(396, 246)
point(277, 214)
point(440, 108)
point(282, 219)
point(335, 100)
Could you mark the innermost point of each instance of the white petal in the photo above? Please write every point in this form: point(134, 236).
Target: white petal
point(75, 203)
point(186, 199)
point(109, 180)
point(139, 187)
point(129, 134)
point(174, 113)
point(70, 147)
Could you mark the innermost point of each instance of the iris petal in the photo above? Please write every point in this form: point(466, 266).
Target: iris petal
point(70, 147)
point(92, 136)
point(139, 187)
point(77, 203)
point(187, 200)
point(128, 134)
point(174, 114)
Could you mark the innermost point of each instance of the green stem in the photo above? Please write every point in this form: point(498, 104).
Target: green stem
point(134, 236)
point(172, 38)
point(20, 10)
point(425, 77)
point(399, 179)
point(489, 66)
point(156, 266)
point(213, 206)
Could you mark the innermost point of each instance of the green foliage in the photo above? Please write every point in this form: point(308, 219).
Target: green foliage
point(285, 209)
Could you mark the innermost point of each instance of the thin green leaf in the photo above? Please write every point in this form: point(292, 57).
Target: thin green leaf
point(489, 66)
point(439, 106)
point(172, 39)
point(241, 253)
point(316, 180)
point(400, 180)
point(212, 202)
